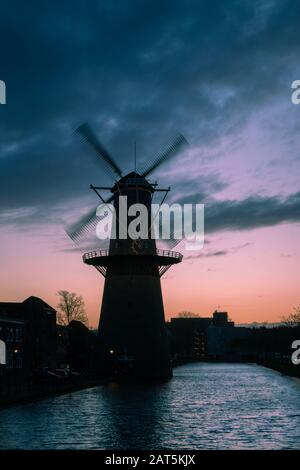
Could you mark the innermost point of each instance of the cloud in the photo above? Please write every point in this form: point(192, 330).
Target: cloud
point(216, 253)
point(208, 254)
point(252, 212)
point(137, 71)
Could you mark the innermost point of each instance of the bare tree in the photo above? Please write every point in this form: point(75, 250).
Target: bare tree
point(70, 307)
point(293, 319)
point(187, 314)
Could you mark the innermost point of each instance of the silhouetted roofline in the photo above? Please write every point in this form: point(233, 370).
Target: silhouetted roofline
point(32, 298)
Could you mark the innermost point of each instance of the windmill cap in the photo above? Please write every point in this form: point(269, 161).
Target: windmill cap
point(132, 179)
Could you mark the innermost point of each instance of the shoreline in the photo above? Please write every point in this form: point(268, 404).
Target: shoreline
point(62, 389)
point(289, 370)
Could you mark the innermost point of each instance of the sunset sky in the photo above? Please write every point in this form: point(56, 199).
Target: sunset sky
point(218, 72)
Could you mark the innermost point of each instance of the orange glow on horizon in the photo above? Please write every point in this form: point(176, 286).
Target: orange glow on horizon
point(256, 280)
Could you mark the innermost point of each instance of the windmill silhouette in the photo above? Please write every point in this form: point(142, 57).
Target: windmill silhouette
point(132, 335)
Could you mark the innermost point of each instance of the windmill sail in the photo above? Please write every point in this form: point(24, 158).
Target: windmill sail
point(169, 152)
point(90, 137)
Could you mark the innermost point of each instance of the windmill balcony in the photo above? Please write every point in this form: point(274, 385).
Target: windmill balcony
point(102, 259)
point(164, 257)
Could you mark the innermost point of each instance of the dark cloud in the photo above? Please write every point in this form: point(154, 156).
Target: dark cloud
point(251, 213)
point(137, 70)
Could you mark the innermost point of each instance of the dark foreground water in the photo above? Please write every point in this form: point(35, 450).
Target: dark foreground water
point(205, 406)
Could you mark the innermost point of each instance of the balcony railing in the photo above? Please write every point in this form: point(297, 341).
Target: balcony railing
point(95, 254)
point(101, 253)
point(169, 254)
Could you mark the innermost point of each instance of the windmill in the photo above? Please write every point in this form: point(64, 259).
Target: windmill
point(132, 335)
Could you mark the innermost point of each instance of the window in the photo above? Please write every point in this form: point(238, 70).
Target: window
point(19, 335)
point(9, 359)
point(18, 361)
point(9, 335)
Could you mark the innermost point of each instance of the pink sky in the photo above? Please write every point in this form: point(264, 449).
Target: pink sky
point(256, 282)
point(219, 75)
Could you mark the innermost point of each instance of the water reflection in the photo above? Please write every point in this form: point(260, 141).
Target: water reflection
point(205, 406)
point(134, 413)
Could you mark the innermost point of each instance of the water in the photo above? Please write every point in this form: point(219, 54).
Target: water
point(205, 406)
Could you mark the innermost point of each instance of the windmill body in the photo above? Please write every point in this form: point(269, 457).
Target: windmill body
point(132, 333)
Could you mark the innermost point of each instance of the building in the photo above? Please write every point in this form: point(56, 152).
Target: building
point(12, 371)
point(41, 334)
point(76, 347)
point(37, 324)
point(189, 335)
point(62, 346)
point(12, 334)
point(36, 349)
point(227, 343)
point(82, 344)
point(188, 338)
point(221, 319)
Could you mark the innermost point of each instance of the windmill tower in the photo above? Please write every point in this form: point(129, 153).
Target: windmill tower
point(132, 333)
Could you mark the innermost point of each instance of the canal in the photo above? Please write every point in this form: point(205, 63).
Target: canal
point(205, 406)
